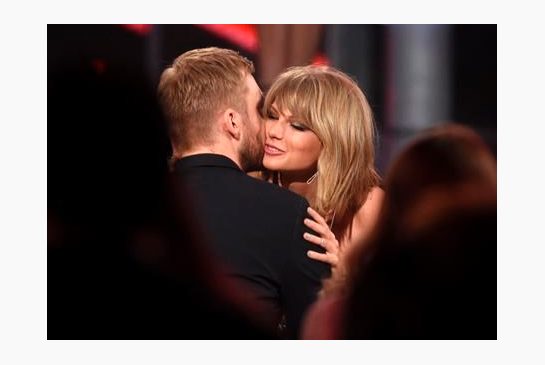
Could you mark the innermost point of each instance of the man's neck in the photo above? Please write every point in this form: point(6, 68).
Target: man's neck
point(208, 149)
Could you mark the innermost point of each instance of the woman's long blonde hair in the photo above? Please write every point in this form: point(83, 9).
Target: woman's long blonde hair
point(337, 111)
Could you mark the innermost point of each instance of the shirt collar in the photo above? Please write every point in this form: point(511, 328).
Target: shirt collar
point(205, 160)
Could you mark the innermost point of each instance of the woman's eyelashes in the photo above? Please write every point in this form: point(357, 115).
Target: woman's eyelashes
point(271, 115)
point(299, 126)
point(295, 125)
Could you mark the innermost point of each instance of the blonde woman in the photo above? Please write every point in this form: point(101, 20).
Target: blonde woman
point(320, 144)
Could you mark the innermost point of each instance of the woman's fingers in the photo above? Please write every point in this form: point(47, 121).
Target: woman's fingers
point(326, 239)
point(331, 246)
point(316, 216)
point(329, 259)
point(316, 227)
point(312, 238)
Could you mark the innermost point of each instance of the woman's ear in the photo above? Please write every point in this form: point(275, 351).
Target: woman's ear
point(232, 123)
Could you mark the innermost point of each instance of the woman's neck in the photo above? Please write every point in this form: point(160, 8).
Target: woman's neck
point(298, 185)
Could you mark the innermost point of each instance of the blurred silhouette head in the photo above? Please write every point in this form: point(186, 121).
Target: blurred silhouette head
point(125, 258)
point(107, 147)
point(449, 159)
point(431, 270)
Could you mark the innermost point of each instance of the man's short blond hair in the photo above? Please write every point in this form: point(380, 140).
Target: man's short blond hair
point(199, 85)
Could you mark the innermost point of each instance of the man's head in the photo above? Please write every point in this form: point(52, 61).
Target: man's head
point(210, 98)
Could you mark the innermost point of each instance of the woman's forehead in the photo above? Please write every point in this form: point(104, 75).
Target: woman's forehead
point(286, 112)
point(286, 103)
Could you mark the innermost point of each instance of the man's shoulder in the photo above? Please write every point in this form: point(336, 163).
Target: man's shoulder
point(274, 190)
point(221, 182)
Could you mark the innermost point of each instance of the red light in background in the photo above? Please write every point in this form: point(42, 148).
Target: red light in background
point(140, 29)
point(243, 35)
point(99, 65)
point(320, 59)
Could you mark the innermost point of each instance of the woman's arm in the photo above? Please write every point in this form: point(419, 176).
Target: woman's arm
point(366, 218)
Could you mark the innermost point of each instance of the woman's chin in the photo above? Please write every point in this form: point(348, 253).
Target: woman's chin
point(271, 165)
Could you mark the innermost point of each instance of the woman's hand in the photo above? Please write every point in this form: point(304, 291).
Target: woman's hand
point(326, 239)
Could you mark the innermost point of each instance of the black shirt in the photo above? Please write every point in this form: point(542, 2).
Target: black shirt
point(256, 229)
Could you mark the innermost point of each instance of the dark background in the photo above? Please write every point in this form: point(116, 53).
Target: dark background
point(148, 49)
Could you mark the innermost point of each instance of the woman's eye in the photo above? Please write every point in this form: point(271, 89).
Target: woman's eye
point(299, 126)
point(271, 115)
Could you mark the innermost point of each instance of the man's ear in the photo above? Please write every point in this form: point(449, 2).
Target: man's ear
point(232, 123)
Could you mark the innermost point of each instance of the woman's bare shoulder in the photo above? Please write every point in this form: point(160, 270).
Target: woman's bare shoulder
point(372, 203)
point(367, 215)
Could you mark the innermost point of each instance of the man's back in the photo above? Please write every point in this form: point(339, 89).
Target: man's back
point(256, 229)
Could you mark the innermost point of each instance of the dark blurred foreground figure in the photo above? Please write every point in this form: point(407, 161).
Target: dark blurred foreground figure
point(429, 270)
point(124, 261)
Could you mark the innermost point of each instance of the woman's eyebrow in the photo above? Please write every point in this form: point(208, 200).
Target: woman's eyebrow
point(296, 118)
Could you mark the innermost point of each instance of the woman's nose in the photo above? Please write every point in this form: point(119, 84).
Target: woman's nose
point(274, 129)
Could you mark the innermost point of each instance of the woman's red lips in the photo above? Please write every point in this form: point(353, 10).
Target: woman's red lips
point(272, 150)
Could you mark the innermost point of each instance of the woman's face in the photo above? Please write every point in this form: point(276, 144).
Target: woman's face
point(290, 146)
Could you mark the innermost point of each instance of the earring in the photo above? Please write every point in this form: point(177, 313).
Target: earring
point(311, 179)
